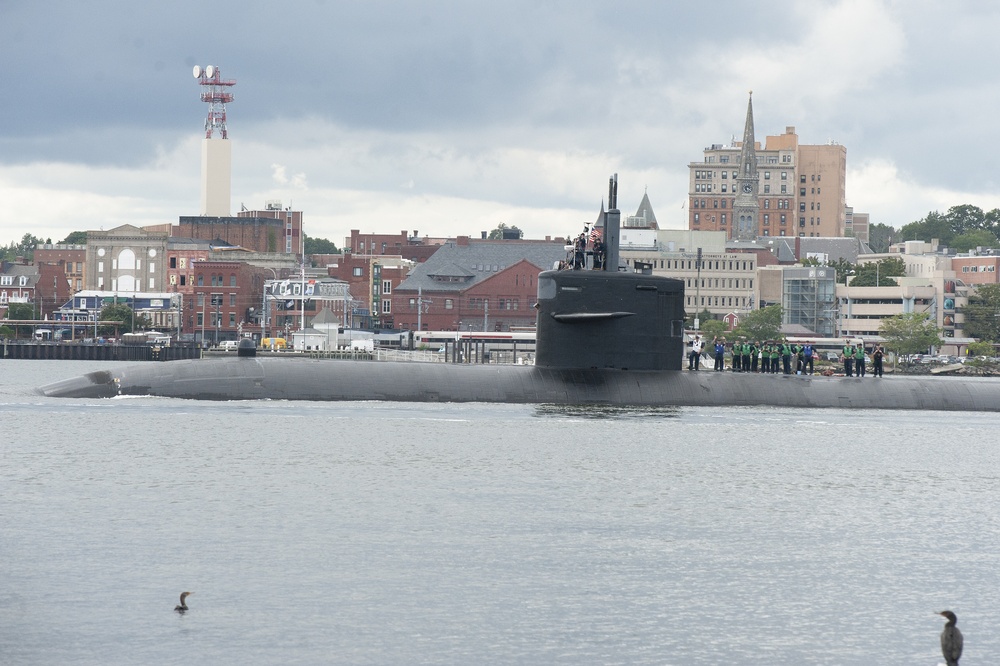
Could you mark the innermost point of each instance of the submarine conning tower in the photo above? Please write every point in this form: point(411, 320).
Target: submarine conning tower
point(609, 319)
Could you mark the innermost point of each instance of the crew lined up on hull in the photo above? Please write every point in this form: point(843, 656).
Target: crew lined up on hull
point(781, 356)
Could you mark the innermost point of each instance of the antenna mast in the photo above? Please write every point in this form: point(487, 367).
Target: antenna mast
point(216, 92)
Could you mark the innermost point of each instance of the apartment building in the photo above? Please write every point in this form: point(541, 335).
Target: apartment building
point(786, 188)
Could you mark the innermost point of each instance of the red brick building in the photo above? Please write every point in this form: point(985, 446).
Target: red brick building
point(475, 285)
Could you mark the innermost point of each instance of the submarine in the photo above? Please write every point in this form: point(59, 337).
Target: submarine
point(603, 337)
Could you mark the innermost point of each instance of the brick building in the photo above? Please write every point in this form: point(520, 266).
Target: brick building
point(475, 285)
point(788, 188)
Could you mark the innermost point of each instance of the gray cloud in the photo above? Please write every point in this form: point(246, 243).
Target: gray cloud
point(525, 106)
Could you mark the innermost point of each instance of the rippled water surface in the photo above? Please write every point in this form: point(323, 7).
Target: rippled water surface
point(387, 533)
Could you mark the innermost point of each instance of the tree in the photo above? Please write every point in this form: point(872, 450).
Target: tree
point(123, 313)
point(75, 238)
point(982, 349)
point(498, 233)
point(965, 218)
point(910, 333)
point(762, 324)
point(880, 237)
point(934, 225)
point(6, 332)
point(712, 327)
point(879, 273)
point(982, 313)
point(975, 238)
point(25, 248)
point(319, 246)
point(843, 268)
point(21, 311)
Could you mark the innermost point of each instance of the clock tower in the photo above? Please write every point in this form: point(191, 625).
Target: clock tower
point(746, 206)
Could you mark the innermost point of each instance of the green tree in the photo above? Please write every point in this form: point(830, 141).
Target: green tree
point(6, 332)
point(965, 218)
point(879, 273)
point(123, 313)
point(762, 324)
point(982, 313)
point(712, 327)
point(497, 234)
point(910, 333)
point(982, 349)
point(22, 311)
point(975, 238)
point(25, 248)
point(75, 238)
point(881, 236)
point(319, 246)
point(843, 268)
point(934, 225)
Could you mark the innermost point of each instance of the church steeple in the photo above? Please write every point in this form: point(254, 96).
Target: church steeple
point(746, 207)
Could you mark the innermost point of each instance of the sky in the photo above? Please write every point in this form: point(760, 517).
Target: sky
point(450, 117)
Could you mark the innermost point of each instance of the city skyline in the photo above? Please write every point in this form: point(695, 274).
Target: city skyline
point(453, 118)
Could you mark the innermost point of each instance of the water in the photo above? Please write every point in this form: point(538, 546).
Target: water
point(385, 533)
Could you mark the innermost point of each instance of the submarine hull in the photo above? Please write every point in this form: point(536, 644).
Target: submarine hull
point(306, 379)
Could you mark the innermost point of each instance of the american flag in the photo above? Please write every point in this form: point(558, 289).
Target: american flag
point(595, 234)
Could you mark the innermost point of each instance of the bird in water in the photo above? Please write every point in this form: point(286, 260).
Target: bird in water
point(183, 605)
point(951, 639)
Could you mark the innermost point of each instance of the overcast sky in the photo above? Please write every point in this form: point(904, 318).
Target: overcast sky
point(450, 117)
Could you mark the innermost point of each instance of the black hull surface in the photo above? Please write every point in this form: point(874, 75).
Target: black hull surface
point(304, 379)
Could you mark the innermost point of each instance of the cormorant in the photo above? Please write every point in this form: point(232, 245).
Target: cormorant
point(183, 605)
point(951, 639)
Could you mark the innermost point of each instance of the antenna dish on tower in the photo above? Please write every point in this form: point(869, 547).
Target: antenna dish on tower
point(210, 71)
point(197, 71)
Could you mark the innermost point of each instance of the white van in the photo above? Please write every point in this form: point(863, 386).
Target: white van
point(229, 345)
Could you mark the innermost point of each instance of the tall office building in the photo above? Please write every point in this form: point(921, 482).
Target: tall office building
point(782, 189)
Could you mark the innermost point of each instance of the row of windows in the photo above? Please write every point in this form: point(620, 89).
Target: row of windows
point(216, 299)
point(478, 304)
point(766, 219)
point(721, 203)
point(708, 175)
point(8, 280)
point(979, 269)
point(720, 301)
point(814, 178)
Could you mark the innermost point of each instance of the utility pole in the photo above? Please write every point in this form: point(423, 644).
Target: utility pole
point(697, 290)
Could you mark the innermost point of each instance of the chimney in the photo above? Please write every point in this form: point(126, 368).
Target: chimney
point(462, 241)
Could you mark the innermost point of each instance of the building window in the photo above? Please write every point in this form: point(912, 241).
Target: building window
point(201, 300)
point(386, 287)
point(358, 271)
point(802, 178)
point(201, 319)
point(232, 300)
point(696, 218)
point(767, 189)
point(232, 319)
point(232, 279)
point(784, 174)
point(767, 219)
point(723, 219)
point(173, 262)
point(767, 175)
point(449, 304)
point(386, 306)
point(201, 279)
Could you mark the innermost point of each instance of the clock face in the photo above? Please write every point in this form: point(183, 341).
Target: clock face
point(747, 187)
